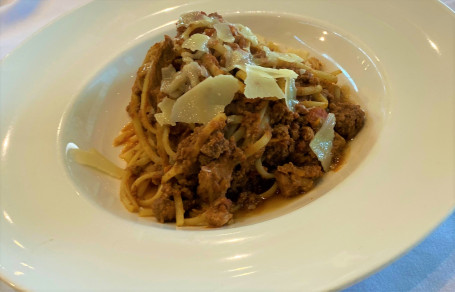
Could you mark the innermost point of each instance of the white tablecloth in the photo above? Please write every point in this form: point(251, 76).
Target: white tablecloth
point(428, 267)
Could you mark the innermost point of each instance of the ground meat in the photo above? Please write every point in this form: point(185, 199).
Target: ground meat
point(181, 29)
point(160, 59)
point(215, 178)
point(204, 159)
point(316, 117)
point(293, 180)
point(258, 54)
point(163, 207)
point(244, 178)
point(251, 124)
point(214, 147)
point(279, 147)
point(188, 180)
point(184, 190)
point(330, 97)
point(349, 119)
point(240, 105)
point(188, 149)
point(242, 41)
point(249, 200)
point(294, 130)
point(177, 133)
point(209, 31)
point(306, 79)
point(218, 214)
point(303, 155)
point(239, 38)
point(338, 145)
point(186, 154)
point(301, 109)
point(280, 113)
point(159, 56)
point(216, 15)
point(233, 46)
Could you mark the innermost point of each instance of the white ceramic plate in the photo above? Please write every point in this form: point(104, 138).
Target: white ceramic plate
point(62, 225)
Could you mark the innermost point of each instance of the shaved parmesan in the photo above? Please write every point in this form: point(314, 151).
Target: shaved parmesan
point(204, 101)
point(193, 16)
point(175, 84)
point(290, 93)
point(168, 73)
point(275, 73)
point(261, 82)
point(322, 142)
point(196, 42)
point(192, 71)
point(96, 160)
point(237, 58)
point(164, 117)
point(286, 57)
point(188, 57)
point(247, 33)
point(223, 32)
point(299, 52)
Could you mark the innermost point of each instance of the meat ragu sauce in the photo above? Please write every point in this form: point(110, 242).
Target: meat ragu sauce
point(222, 120)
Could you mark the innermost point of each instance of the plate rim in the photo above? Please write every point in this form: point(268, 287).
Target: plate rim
point(53, 23)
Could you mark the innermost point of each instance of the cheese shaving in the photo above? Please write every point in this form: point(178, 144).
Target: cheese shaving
point(275, 73)
point(223, 32)
point(290, 94)
point(193, 16)
point(166, 106)
point(197, 42)
point(286, 57)
point(237, 58)
point(261, 82)
point(322, 142)
point(96, 160)
point(247, 33)
point(200, 104)
point(176, 84)
point(168, 73)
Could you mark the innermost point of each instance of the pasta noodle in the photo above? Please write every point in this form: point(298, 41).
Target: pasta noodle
point(262, 172)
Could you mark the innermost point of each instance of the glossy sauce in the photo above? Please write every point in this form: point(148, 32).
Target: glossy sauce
point(271, 204)
point(277, 201)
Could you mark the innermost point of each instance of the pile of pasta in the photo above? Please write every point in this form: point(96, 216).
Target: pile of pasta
point(222, 120)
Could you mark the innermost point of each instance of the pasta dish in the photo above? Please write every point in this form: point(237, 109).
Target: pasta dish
point(222, 119)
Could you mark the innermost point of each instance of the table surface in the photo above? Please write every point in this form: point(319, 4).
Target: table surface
point(430, 266)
